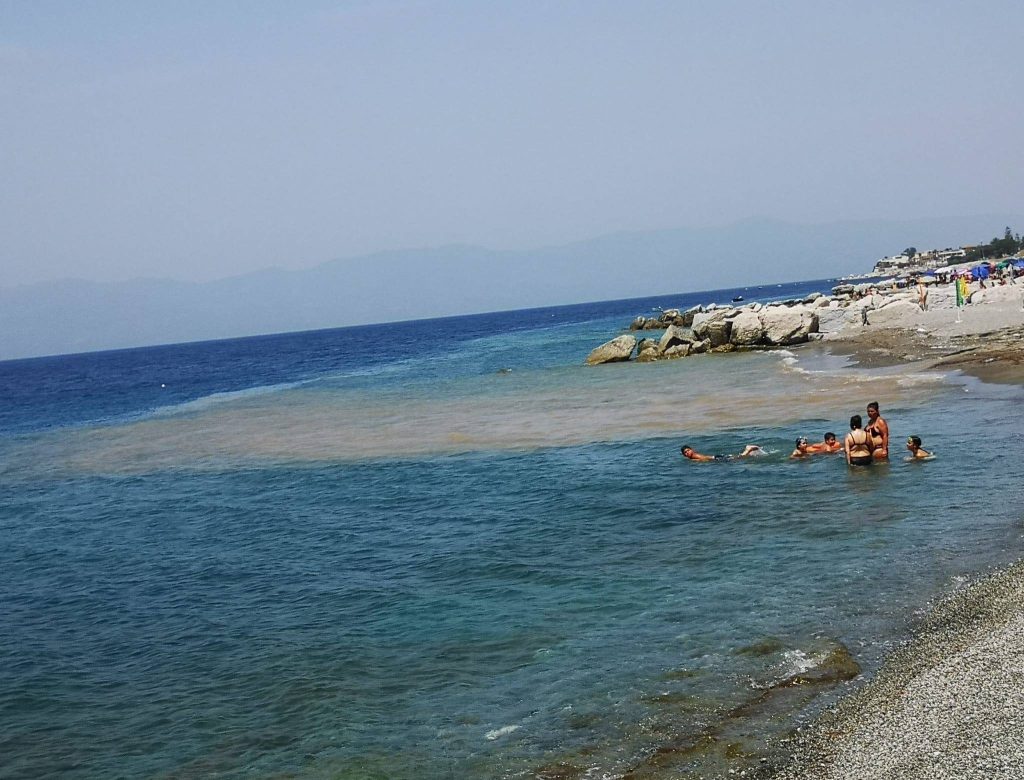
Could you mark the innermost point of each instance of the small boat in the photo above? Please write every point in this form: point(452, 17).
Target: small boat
point(737, 299)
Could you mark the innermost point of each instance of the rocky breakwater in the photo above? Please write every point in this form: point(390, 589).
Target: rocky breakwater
point(715, 328)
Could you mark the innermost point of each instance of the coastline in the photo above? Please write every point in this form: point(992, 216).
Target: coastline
point(949, 703)
point(984, 340)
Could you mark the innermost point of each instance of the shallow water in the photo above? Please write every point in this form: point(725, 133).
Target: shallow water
point(411, 565)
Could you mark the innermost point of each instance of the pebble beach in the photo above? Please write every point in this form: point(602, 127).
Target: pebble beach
point(950, 704)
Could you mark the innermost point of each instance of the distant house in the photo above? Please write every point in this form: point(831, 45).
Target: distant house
point(894, 263)
point(932, 258)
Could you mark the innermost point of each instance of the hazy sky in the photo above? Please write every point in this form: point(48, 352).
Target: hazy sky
point(195, 140)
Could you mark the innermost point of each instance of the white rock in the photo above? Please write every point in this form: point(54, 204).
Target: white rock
point(614, 351)
point(747, 329)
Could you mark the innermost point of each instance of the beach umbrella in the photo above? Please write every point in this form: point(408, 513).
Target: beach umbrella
point(1019, 263)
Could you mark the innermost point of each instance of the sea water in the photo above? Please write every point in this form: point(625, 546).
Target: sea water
point(449, 549)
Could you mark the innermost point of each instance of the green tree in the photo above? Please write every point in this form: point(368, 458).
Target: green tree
point(910, 251)
point(1006, 245)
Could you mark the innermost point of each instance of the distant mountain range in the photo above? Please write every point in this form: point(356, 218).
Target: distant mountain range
point(79, 316)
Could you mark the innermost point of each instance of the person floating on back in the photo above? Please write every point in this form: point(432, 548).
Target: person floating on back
point(691, 454)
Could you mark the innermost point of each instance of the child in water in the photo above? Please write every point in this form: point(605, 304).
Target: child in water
point(917, 452)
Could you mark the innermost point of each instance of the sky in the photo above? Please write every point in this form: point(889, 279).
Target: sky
point(200, 140)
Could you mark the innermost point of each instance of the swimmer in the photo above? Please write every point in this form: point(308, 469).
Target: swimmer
point(829, 444)
point(917, 452)
point(878, 430)
point(858, 445)
point(691, 454)
point(802, 448)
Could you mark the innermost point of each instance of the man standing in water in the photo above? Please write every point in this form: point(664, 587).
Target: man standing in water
point(878, 430)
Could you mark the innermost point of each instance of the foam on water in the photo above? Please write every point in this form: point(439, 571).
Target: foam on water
point(208, 401)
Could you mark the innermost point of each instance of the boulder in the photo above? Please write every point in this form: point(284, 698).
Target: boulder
point(648, 356)
point(688, 315)
point(675, 335)
point(698, 347)
point(896, 314)
point(645, 345)
point(1000, 293)
point(945, 297)
point(812, 297)
point(614, 351)
point(747, 329)
point(838, 665)
point(638, 323)
point(789, 325)
point(833, 320)
point(677, 350)
point(702, 319)
point(823, 302)
point(718, 332)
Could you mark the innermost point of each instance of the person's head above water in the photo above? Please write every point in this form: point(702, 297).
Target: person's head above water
point(873, 410)
point(855, 422)
point(914, 442)
point(801, 442)
point(684, 449)
point(830, 438)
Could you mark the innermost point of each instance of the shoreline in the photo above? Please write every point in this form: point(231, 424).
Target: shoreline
point(948, 703)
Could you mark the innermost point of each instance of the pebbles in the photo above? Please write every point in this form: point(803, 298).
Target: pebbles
point(950, 704)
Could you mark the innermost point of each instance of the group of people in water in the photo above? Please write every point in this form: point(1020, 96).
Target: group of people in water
point(861, 446)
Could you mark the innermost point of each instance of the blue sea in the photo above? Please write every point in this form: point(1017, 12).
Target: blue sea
point(448, 549)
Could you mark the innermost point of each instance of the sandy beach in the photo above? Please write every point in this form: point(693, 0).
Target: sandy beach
point(950, 703)
point(983, 340)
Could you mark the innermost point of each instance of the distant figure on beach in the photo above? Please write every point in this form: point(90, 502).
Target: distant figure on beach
point(917, 452)
point(828, 444)
point(922, 294)
point(878, 430)
point(691, 454)
point(857, 445)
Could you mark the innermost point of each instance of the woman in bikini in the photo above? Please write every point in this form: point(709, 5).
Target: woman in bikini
point(878, 430)
point(858, 444)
